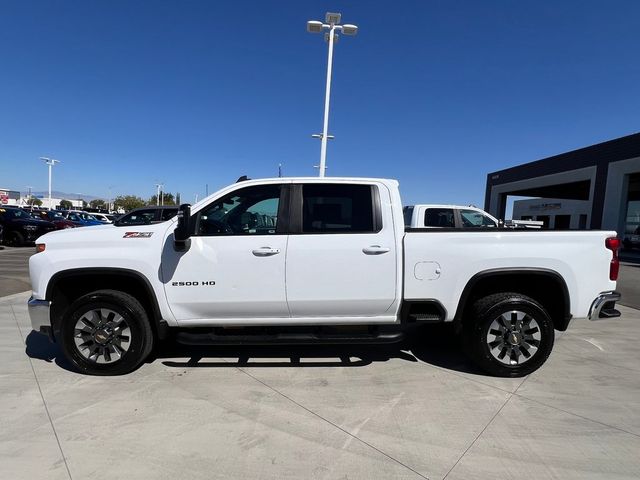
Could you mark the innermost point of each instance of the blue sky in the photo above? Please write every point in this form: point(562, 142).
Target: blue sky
point(433, 93)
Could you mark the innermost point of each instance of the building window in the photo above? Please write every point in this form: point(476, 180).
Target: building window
point(562, 222)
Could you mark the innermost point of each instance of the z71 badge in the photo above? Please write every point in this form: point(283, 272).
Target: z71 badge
point(137, 234)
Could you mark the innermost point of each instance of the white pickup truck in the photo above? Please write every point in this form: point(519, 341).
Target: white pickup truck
point(457, 216)
point(313, 260)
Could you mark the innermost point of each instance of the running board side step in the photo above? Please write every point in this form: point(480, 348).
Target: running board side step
point(209, 338)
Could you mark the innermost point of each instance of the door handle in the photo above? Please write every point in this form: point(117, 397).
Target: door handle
point(265, 251)
point(375, 250)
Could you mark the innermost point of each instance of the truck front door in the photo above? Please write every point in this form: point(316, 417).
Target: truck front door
point(235, 265)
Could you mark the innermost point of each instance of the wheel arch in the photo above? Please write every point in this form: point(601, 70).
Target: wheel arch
point(67, 285)
point(526, 281)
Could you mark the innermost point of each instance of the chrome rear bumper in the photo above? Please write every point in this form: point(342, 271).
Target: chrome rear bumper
point(604, 306)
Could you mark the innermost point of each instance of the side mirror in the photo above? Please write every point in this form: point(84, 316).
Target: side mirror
point(183, 230)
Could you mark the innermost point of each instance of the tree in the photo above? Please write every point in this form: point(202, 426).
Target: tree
point(167, 199)
point(66, 204)
point(34, 201)
point(97, 203)
point(128, 202)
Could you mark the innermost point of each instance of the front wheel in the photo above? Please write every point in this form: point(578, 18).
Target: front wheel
point(14, 239)
point(508, 334)
point(106, 332)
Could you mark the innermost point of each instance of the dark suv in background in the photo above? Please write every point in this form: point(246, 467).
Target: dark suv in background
point(20, 228)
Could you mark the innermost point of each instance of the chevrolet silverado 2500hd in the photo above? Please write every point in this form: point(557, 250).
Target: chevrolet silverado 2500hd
point(313, 260)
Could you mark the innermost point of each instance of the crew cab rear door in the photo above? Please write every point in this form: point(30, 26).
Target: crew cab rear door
point(341, 256)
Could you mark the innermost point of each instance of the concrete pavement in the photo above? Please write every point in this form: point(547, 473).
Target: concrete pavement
point(320, 412)
point(14, 270)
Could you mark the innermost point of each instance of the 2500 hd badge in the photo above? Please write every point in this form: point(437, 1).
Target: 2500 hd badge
point(192, 284)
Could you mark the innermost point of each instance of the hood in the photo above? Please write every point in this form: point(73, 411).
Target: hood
point(102, 235)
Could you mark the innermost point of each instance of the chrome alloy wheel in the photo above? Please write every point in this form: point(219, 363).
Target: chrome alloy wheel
point(102, 336)
point(514, 337)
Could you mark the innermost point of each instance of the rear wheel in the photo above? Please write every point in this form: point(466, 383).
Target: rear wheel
point(106, 332)
point(508, 334)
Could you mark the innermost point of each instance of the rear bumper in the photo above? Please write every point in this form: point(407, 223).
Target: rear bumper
point(604, 306)
point(39, 315)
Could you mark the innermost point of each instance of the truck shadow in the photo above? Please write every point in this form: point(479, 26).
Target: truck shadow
point(434, 345)
point(39, 347)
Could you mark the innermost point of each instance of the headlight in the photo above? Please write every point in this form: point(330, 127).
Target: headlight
point(30, 228)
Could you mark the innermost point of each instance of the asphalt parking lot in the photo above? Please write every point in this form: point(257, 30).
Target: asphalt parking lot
point(321, 412)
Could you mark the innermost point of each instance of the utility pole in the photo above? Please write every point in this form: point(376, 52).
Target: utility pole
point(332, 24)
point(158, 187)
point(50, 162)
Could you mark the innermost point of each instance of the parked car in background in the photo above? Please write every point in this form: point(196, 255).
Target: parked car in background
point(447, 216)
point(632, 240)
point(55, 217)
point(81, 219)
point(103, 217)
point(20, 228)
point(456, 216)
point(147, 215)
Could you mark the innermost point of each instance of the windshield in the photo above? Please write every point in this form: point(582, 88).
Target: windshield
point(15, 213)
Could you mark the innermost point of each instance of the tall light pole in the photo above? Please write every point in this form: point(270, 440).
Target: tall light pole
point(332, 24)
point(109, 204)
point(158, 186)
point(51, 162)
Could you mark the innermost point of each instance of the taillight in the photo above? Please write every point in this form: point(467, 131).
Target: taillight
point(40, 247)
point(613, 244)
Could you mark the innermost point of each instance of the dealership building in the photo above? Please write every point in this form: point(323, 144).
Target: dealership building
point(596, 187)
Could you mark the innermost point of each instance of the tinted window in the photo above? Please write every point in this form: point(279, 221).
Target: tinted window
point(337, 209)
point(439, 217)
point(473, 218)
point(249, 211)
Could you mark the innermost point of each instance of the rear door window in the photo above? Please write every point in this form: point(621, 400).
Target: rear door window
point(439, 217)
point(336, 208)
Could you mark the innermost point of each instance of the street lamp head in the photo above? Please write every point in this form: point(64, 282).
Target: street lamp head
point(49, 161)
point(349, 29)
point(313, 26)
point(333, 18)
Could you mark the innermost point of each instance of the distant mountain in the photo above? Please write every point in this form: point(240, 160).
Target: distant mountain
point(66, 195)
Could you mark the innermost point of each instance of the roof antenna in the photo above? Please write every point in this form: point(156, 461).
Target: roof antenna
point(243, 178)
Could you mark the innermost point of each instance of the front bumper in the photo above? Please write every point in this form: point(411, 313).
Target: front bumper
point(604, 306)
point(39, 314)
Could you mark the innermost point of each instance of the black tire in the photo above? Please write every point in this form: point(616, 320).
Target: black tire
point(14, 239)
point(140, 338)
point(476, 334)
